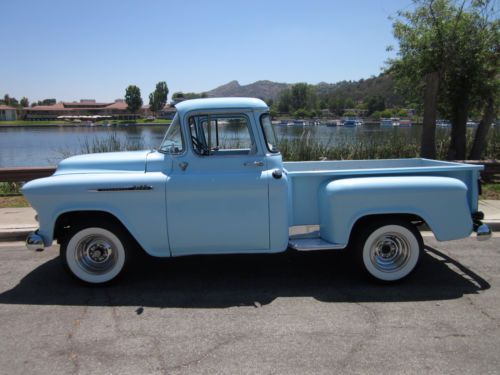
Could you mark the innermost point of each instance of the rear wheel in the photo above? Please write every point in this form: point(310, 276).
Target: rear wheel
point(389, 249)
point(95, 253)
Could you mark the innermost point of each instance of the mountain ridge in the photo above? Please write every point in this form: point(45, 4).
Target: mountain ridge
point(360, 90)
point(263, 89)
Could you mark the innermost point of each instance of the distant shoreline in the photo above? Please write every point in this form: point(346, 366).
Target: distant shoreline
point(51, 124)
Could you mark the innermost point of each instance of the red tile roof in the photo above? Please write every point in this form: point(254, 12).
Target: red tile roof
point(117, 105)
point(4, 107)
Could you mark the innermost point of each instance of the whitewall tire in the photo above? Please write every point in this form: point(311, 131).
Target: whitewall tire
point(389, 250)
point(94, 254)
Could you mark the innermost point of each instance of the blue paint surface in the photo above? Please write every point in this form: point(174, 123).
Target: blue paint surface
point(231, 202)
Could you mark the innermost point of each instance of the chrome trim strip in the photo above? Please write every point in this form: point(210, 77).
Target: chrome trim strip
point(312, 243)
point(126, 188)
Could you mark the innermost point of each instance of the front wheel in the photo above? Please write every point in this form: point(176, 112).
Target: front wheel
point(389, 249)
point(95, 254)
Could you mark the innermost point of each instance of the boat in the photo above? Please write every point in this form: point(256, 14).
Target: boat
point(333, 123)
point(443, 123)
point(405, 123)
point(395, 121)
point(471, 124)
point(350, 123)
point(385, 123)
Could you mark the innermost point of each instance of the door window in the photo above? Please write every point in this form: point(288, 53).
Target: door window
point(221, 134)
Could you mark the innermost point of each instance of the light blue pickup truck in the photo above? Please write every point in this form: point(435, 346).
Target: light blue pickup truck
point(218, 185)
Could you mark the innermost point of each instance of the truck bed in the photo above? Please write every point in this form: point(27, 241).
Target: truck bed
point(306, 178)
point(366, 167)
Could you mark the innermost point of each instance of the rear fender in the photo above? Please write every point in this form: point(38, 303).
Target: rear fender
point(440, 201)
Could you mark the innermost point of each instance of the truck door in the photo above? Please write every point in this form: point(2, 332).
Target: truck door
point(217, 194)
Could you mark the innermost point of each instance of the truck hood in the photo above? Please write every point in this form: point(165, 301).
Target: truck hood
point(109, 162)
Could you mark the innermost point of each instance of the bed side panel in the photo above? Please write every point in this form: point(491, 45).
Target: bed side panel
point(440, 201)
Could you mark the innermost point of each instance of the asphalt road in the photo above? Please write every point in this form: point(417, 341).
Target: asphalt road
point(293, 313)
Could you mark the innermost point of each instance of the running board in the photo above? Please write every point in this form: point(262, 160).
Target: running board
point(314, 243)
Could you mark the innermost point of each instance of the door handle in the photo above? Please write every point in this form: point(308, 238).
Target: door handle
point(254, 164)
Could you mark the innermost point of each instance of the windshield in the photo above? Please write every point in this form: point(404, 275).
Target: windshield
point(173, 142)
point(269, 135)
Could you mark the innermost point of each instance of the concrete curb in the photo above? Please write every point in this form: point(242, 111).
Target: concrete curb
point(15, 234)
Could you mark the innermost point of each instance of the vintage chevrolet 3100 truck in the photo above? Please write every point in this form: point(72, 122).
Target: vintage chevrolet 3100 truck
point(218, 185)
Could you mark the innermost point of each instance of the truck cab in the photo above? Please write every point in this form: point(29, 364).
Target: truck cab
point(226, 190)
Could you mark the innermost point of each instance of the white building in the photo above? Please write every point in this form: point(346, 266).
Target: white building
point(8, 113)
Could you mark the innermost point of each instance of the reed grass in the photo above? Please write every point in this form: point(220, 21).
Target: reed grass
point(392, 146)
point(112, 142)
point(10, 188)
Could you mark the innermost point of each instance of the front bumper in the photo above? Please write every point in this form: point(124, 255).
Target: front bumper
point(34, 242)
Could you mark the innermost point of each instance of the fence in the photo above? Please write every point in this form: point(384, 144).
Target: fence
point(24, 173)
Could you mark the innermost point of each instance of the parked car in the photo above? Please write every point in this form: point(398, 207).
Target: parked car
point(218, 185)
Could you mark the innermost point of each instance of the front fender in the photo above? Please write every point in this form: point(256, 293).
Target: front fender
point(440, 201)
point(141, 211)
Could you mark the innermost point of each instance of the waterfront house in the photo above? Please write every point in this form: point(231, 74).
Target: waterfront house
point(8, 113)
point(86, 107)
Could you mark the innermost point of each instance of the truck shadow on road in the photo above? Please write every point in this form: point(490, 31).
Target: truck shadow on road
point(246, 280)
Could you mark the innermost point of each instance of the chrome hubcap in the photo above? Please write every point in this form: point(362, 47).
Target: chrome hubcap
point(390, 252)
point(95, 254)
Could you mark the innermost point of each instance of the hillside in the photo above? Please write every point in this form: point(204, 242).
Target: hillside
point(382, 85)
point(259, 89)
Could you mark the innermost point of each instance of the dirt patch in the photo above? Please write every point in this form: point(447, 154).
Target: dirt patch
point(14, 201)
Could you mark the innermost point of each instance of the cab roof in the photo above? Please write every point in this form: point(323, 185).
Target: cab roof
point(220, 103)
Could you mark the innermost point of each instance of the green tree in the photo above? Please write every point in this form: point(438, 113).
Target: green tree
point(47, 102)
point(349, 103)
point(375, 103)
point(25, 102)
point(158, 98)
point(386, 113)
point(301, 113)
point(179, 95)
point(298, 96)
point(133, 98)
point(401, 112)
point(284, 101)
point(445, 53)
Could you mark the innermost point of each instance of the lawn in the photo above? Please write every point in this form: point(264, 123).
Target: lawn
point(14, 201)
point(491, 191)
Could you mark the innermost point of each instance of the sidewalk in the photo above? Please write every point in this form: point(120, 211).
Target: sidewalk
point(16, 223)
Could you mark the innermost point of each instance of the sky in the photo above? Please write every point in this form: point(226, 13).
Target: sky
point(70, 50)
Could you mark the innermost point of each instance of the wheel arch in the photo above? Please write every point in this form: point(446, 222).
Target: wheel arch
point(69, 219)
point(362, 221)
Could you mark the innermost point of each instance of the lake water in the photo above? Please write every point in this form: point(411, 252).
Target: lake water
point(41, 146)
